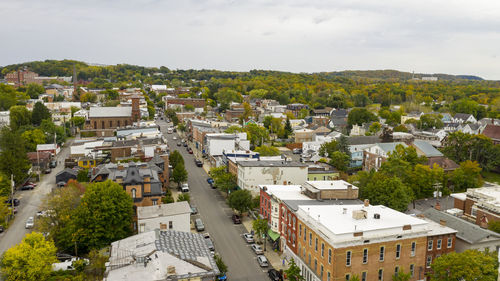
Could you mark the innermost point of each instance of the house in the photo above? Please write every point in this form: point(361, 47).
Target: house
point(464, 118)
point(39, 159)
point(492, 132)
point(357, 154)
point(251, 174)
point(470, 128)
point(374, 156)
point(159, 89)
point(445, 163)
point(441, 240)
point(481, 205)
point(4, 118)
point(446, 118)
point(161, 255)
point(172, 216)
point(321, 171)
point(338, 119)
point(49, 147)
point(469, 235)
point(424, 148)
point(411, 115)
point(303, 135)
point(66, 175)
point(322, 111)
point(489, 121)
point(295, 108)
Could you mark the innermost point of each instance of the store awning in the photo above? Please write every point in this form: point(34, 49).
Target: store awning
point(273, 235)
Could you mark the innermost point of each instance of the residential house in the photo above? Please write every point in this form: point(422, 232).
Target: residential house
point(338, 119)
point(374, 156)
point(295, 108)
point(321, 171)
point(489, 121)
point(357, 154)
point(161, 255)
point(303, 135)
point(464, 118)
point(322, 111)
point(470, 128)
point(492, 132)
point(39, 159)
point(446, 118)
point(49, 147)
point(172, 216)
point(411, 115)
point(441, 240)
point(424, 148)
point(65, 175)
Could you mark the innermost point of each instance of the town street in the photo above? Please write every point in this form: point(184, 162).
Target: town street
point(216, 215)
point(31, 201)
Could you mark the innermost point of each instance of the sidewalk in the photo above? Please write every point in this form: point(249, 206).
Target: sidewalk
point(274, 258)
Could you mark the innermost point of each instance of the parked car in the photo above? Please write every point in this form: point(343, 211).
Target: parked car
point(30, 183)
point(1, 228)
point(257, 249)
point(185, 187)
point(16, 202)
point(274, 275)
point(185, 144)
point(53, 164)
point(199, 225)
point(236, 219)
point(297, 151)
point(210, 180)
point(198, 163)
point(194, 210)
point(210, 244)
point(30, 223)
point(190, 151)
point(47, 171)
point(27, 187)
point(262, 260)
point(174, 138)
point(248, 238)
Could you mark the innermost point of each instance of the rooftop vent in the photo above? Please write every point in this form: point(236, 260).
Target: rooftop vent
point(366, 203)
point(376, 216)
point(344, 211)
point(359, 214)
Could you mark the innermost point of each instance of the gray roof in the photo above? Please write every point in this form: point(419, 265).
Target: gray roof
point(294, 204)
point(163, 210)
point(467, 231)
point(362, 140)
point(427, 148)
point(462, 116)
point(69, 171)
point(271, 164)
point(390, 146)
point(96, 112)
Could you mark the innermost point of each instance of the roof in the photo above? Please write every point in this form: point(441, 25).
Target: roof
point(492, 131)
point(363, 140)
point(427, 149)
point(329, 185)
point(463, 116)
point(159, 87)
point(68, 171)
point(48, 146)
point(96, 112)
point(284, 192)
point(294, 204)
point(390, 146)
point(446, 163)
point(271, 164)
point(163, 210)
point(467, 231)
point(150, 255)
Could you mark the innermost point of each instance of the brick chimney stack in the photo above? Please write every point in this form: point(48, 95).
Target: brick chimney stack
point(136, 112)
point(438, 206)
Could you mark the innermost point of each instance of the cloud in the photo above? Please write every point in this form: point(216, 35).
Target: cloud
point(446, 36)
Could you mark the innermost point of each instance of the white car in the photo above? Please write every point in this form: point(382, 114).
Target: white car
point(248, 237)
point(262, 260)
point(30, 223)
point(174, 138)
point(257, 249)
point(185, 187)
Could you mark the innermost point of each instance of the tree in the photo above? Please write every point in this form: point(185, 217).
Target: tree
point(288, 128)
point(361, 100)
point(220, 264)
point(266, 150)
point(40, 112)
point(172, 115)
point(494, 226)
point(179, 174)
point(234, 129)
point(374, 128)
point(468, 265)
point(293, 271)
point(13, 159)
point(401, 276)
point(175, 158)
point(5, 185)
point(217, 172)
point(10, 97)
point(240, 200)
point(256, 134)
point(83, 175)
point(225, 182)
point(34, 90)
point(387, 191)
point(422, 180)
point(183, 197)
point(189, 107)
point(4, 210)
point(359, 116)
point(468, 175)
point(97, 265)
point(104, 215)
point(401, 128)
point(19, 116)
point(78, 121)
point(225, 96)
point(260, 227)
point(167, 198)
point(33, 138)
point(88, 97)
point(247, 113)
point(29, 260)
point(428, 121)
point(339, 160)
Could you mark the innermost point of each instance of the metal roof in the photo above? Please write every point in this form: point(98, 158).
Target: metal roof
point(96, 112)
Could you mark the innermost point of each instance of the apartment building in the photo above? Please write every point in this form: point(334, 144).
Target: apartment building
point(481, 205)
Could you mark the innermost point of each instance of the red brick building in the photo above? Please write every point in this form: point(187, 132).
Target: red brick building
point(21, 77)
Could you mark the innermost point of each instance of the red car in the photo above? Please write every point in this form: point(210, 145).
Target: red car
point(190, 151)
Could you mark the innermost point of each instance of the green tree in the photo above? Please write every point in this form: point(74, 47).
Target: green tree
point(260, 227)
point(183, 197)
point(217, 172)
point(468, 265)
point(78, 121)
point(4, 210)
point(361, 100)
point(256, 134)
point(19, 116)
point(103, 216)
point(34, 90)
point(288, 129)
point(359, 116)
point(13, 159)
point(29, 260)
point(97, 266)
point(327, 148)
point(168, 198)
point(179, 174)
point(52, 130)
point(401, 276)
point(293, 271)
point(40, 112)
point(225, 182)
point(172, 115)
point(468, 175)
point(374, 128)
point(225, 96)
point(494, 226)
point(83, 175)
point(5, 185)
point(265, 150)
point(189, 107)
point(422, 180)
point(339, 160)
point(33, 138)
point(10, 97)
point(220, 264)
point(234, 129)
point(401, 128)
point(428, 121)
point(175, 158)
point(247, 113)
point(258, 93)
point(387, 191)
point(240, 200)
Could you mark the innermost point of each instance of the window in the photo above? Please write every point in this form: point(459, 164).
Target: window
point(142, 227)
point(322, 250)
point(382, 252)
point(438, 246)
point(309, 259)
point(429, 261)
point(348, 277)
point(316, 265)
point(321, 271)
point(429, 245)
point(170, 224)
point(413, 248)
point(102, 124)
point(450, 241)
point(398, 251)
point(300, 230)
point(412, 269)
point(118, 123)
point(95, 124)
point(126, 122)
point(310, 239)
point(330, 256)
point(304, 252)
point(110, 123)
point(328, 276)
point(155, 202)
point(380, 274)
point(316, 244)
point(293, 225)
point(396, 271)
point(348, 258)
point(365, 256)
point(133, 192)
point(363, 276)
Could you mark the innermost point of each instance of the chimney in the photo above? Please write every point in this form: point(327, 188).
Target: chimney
point(120, 167)
point(442, 222)
point(344, 211)
point(437, 206)
point(366, 203)
point(483, 222)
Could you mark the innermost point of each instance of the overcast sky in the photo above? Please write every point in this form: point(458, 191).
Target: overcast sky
point(442, 36)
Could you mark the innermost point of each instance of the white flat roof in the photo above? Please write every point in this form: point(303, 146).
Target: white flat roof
point(461, 196)
point(326, 185)
point(285, 192)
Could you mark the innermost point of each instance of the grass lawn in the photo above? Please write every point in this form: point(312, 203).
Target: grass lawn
point(491, 177)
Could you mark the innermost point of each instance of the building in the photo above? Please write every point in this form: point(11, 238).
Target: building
point(412, 115)
point(480, 205)
point(65, 175)
point(335, 242)
point(251, 174)
point(463, 118)
point(295, 108)
point(441, 240)
point(39, 159)
point(105, 120)
point(375, 155)
point(4, 118)
point(161, 255)
point(172, 216)
point(303, 135)
point(175, 101)
point(321, 171)
point(492, 132)
point(49, 147)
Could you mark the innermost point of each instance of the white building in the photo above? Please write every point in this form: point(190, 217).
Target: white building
point(217, 143)
point(172, 216)
point(4, 118)
point(251, 174)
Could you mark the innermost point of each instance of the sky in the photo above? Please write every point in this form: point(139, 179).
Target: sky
point(425, 36)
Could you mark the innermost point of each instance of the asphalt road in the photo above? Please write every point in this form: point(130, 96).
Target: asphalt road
point(216, 215)
point(31, 201)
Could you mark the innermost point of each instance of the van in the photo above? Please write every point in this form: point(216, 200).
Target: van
point(185, 187)
point(170, 130)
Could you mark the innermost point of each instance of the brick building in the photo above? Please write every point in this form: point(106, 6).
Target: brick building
point(21, 77)
point(480, 205)
point(196, 103)
point(105, 120)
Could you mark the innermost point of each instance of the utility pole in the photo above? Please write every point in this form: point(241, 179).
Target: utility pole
point(12, 191)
